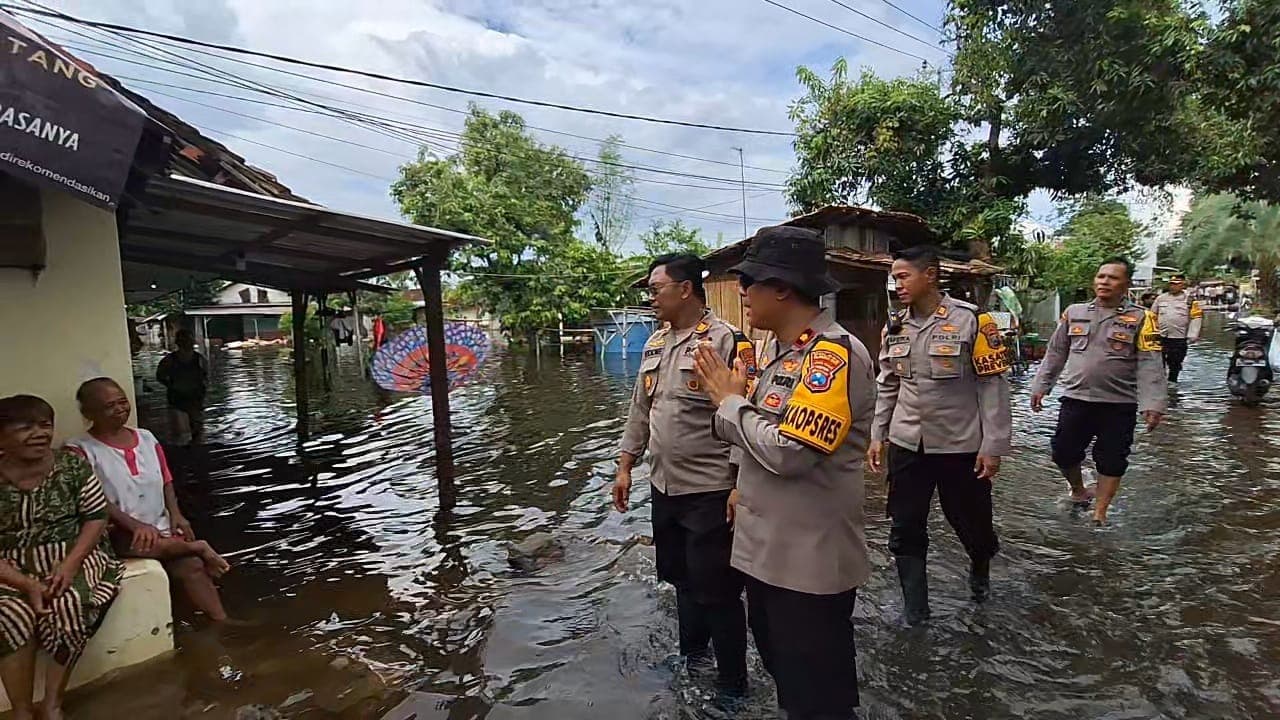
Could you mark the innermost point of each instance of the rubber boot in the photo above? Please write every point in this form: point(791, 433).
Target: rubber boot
point(728, 623)
point(980, 580)
point(915, 588)
point(695, 635)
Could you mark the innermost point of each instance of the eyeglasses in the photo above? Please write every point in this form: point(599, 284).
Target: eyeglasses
point(655, 288)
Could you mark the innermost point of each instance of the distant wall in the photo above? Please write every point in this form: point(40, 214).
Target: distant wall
point(69, 324)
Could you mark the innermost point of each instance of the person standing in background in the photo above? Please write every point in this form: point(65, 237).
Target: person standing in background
point(185, 376)
point(1180, 318)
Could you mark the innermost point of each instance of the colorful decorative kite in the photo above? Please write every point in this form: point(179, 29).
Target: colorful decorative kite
point(403, 364)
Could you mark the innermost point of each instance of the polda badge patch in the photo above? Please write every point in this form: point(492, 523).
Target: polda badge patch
point(822, 366)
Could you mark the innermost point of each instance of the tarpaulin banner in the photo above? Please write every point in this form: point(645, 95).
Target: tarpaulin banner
point(61, 126)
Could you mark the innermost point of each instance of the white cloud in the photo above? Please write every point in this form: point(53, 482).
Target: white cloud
point(727, 62)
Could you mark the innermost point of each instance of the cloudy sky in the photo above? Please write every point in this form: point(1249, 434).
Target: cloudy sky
point(723, 62)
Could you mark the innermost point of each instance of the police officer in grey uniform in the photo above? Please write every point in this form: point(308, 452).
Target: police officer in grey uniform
point(1107, 352)
point(943, 410)
point(802, 430)
point(1180, 317)
point(690, 470)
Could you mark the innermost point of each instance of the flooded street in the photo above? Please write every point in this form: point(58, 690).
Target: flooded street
point(368, 602)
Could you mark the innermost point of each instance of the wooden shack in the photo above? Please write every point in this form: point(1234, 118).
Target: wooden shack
point(860, 243)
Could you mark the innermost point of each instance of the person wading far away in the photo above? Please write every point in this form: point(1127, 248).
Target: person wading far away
point(1180, 318)
point(185, 375)
point(690, 471)
point(1108, 354)
point(943, 420)
point(801, 430)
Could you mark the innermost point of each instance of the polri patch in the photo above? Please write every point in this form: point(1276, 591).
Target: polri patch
point(823, 364)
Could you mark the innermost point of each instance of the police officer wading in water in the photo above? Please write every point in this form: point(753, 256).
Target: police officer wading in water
point(801, 428)
point(690, 470)
point(1179, 318)
point(943, 420)
point(1108, 354)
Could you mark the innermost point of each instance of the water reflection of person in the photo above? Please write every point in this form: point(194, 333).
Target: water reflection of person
point(146, 520)
point(799, 529)
point(185, 375)
point(690, 472)
point(57, 577)
point(1108, 353)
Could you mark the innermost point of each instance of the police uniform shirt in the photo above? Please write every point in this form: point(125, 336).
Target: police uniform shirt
point(1178, 316)
point(942, 383)
point(670, 413)
point(803, 432)
point(1106, 355)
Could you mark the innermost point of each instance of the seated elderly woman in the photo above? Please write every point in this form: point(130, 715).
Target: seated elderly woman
point(146, 521)
point(57, 575)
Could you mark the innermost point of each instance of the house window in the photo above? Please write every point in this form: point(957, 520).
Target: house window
point(262, 296)
point(245, 296)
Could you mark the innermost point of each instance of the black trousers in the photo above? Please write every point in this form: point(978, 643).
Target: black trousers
point(965, 500)
point(1080, 422)
point(807, 645)
point(1175, 351)
point(693, 542)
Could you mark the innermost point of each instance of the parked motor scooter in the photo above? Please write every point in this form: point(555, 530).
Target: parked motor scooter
point(1254, 361)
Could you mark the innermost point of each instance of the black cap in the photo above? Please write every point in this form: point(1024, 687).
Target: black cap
point(796, 256)
point(1177, 277)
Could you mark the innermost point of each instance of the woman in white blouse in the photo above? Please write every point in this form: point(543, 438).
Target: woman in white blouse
point(146, 521)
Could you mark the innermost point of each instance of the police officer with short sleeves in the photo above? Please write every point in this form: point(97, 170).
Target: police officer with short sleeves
point(801, 429)
point(690, 470)
point(943, 412)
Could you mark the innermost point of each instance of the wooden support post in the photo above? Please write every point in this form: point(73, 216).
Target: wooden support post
point(433, 299)
point(358, 340)
point(300, 394)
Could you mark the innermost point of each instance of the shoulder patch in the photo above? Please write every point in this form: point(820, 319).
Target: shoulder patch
point(1149, 335)
point(1196, 311)
point(818, 413)
point(990, 354)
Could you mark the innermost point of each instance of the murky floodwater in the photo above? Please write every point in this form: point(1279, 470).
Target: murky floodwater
point(370, 603)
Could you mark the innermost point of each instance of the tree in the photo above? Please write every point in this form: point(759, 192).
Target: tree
point(197, 293)
point(673, 237)
point(1223, 231)
point(524, 198)
point(1097, 229)
point(612, 204)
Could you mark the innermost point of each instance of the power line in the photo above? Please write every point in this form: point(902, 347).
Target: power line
point(880, 22)
point(926, 23)
point(730, 183)
point(850, 33)
point(400, 80)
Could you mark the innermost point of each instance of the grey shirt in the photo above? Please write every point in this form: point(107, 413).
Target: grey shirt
point(1178, 315)
point(670, 414)
point(942, 383)
point(1106, 355)
point(803, 433)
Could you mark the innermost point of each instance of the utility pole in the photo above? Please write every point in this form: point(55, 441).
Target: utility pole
point(742, 173)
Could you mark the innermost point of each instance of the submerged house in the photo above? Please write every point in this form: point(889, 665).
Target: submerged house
point(860, 243)
point(241, 311)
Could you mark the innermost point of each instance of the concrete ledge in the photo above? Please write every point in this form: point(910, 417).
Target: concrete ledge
point(138, 627)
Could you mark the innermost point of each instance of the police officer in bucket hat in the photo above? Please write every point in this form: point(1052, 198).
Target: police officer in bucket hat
point(800, 431)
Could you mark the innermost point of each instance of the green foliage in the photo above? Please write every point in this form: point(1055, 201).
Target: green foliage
point(1223, 232)
point(611, 206)
point(395, 309)
point(1097, 229)
point(524, 197)
point(673, 237)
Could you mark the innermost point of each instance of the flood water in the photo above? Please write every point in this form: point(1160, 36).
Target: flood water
point(367, 602)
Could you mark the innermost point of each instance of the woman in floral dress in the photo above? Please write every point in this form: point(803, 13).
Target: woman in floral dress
point(57, 575)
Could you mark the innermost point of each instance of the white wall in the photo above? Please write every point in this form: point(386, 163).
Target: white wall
point(230, 295)
point(69, 324)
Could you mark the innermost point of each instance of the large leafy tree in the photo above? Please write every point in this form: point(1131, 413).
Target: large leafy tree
point(1097, 229)
point(524, 197)
point(673, 237)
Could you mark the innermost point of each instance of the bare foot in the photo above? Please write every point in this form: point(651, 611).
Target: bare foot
point(214, 564)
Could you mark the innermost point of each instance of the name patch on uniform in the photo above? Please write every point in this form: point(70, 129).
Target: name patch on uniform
point(990, 355)
point(822, 365)
point(653, 352)
point(785, 381)
point(821, 418)
point(773, 400)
